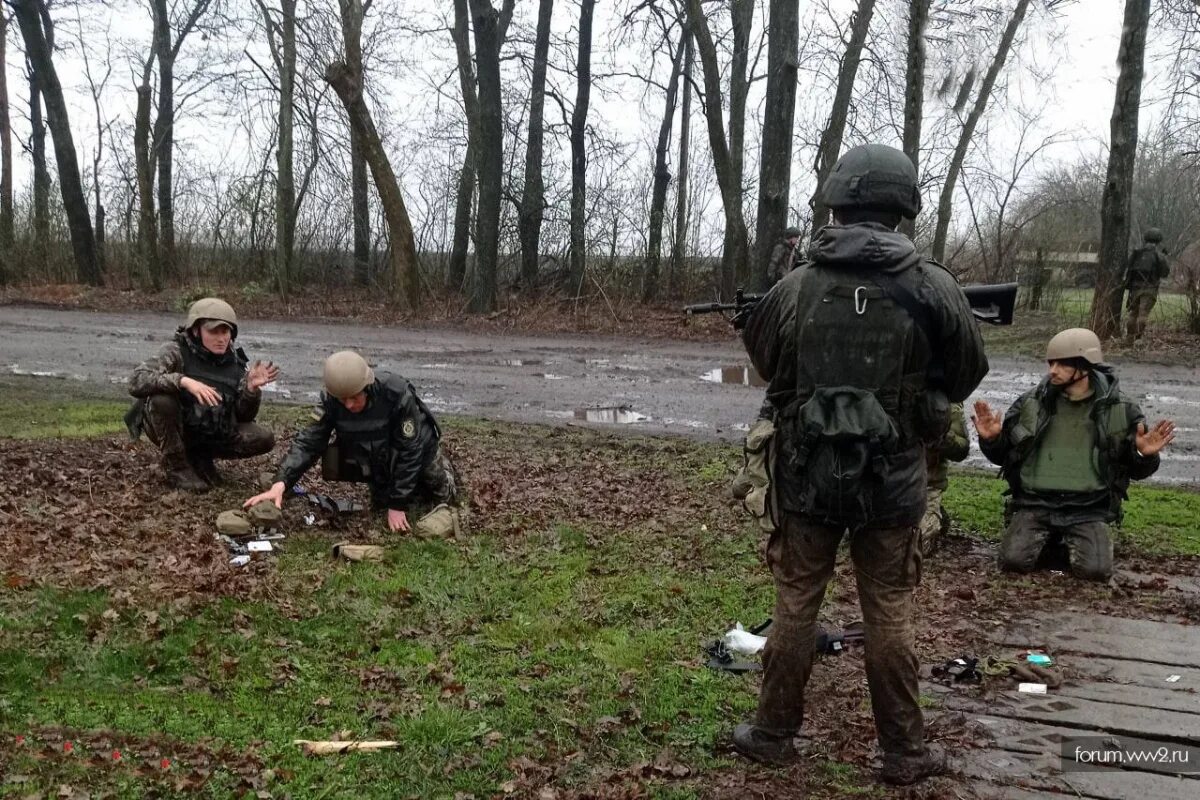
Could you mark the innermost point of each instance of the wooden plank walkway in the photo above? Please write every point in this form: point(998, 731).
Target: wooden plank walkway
point(1117, 691)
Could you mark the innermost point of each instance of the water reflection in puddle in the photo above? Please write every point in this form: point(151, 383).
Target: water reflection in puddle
point(612, 415)
point(742, 375)
point(520, 362)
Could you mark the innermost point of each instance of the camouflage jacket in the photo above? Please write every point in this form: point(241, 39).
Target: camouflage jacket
point(955, 446)
point(783, 259)
point(162, 374)
point(393, 438)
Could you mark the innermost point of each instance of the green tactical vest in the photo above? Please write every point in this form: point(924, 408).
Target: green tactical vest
point(211, 422)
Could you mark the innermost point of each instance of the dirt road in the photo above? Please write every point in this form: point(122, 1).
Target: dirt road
point(680, 388)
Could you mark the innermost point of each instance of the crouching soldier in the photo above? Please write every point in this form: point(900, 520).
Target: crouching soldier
point(383, 436)
point(197, 399)
point(1069, 449)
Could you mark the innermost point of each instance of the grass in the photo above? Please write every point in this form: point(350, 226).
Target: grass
point(570, 647)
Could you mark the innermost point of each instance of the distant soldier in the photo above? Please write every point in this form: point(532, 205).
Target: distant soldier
point(955, 446)
point(197, 399)
point(1146, 269)
point(385, 437)
point(783, 254)
point(1069, 448)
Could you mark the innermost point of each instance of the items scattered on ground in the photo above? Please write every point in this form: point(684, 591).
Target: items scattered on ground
point(357, 552)
point(329, 748)
point(248, 531)
point(1029, 668)
point(739, 641)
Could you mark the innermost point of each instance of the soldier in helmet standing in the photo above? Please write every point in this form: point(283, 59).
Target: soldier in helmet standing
point(864, 349)
point(783, 254)
point(1146, 269)
point(197, 399)
point(1069, 449)
point(385, 436)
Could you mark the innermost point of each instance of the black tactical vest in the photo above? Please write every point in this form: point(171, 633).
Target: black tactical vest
point(222, 373)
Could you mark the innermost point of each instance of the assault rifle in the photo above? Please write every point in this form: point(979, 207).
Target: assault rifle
point(990, 303)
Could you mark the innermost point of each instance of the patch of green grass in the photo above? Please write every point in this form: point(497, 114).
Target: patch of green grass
point(36, 408)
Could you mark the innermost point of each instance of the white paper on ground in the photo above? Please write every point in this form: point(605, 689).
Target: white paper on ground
point(743, 641)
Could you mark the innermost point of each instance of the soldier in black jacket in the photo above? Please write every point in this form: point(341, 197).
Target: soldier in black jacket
point(385, 436)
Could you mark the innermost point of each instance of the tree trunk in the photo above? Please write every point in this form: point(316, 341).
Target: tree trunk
point(779, 111)
point(742, 20)
point(37, 50)
point(6, 151)
point(914, 91)
point(831, 138)
point(461, 35)
point(164, 137)
point(681, 185)
point(489, 155)
point(529, 218)
point(1122, 158)
point(583, 90)
point(662, 177)
point(285, 188)
point(403, 250)
point(41, 175)
point(946, 199)
point(735, 248)
point(147, 224)
point(351, 13)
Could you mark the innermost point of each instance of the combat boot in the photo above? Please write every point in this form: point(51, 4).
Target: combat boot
point(207, 470)
point(764, 744)
point(906, 769)
point(185, 478)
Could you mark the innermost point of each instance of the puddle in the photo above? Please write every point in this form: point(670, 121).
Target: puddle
point(743, 376)
point(15, 369)
point(520, 362)
point(274, 388)
point(552, 377)
point(612, 415)
point(437, 366)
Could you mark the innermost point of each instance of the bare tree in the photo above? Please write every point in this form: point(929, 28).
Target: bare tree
point(662, 177)
point(143, 156)
point(37, 51)
point(281, 38)
point(37, 147)
point(946, 199)
point(830, 146)
point(168, 41)
point(351, 14)
point(914, 90)
point(678, 247)
point(6, 153)
point(779, 112)
point(466, 180)
point(96, 89)
point(734, 254)
point(1122, 157)
point(490, 156)
point(533, 200)
point(583, 89)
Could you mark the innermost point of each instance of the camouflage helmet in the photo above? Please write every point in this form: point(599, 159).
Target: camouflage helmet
point(346, 374)
point(791, 231)
point(1075, 343)
point(1153, 235)
point(214, 309)
point(873, 177)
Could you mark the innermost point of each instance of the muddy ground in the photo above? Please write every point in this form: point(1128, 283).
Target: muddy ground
point(697, 389)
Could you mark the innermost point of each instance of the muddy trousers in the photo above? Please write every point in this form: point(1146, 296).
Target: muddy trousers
point(1141, 303)
point(887, 566)
point(438, 483)
point(1089, 544)
point(163, 424)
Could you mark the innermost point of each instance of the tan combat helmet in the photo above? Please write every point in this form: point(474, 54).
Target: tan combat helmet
point(1075, 343)
point(346, 374)
point(214, 309)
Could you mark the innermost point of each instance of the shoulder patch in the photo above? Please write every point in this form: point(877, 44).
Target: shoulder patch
point(408, 428)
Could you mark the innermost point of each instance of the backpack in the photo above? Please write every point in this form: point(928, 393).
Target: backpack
point(856, 405)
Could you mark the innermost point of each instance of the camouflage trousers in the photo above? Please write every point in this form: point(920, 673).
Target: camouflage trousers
point(163, 424)
point(887, 566)
point(1141, 303)
point(1033, 536)
point(934, 523)
point(438, 483)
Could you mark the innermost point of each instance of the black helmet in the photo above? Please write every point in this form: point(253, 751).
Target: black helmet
point(873, 177)
point(1152, 235)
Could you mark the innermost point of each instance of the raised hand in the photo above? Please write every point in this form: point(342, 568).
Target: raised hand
point(986, 421)
point(260, 374)
point(1150, 442)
